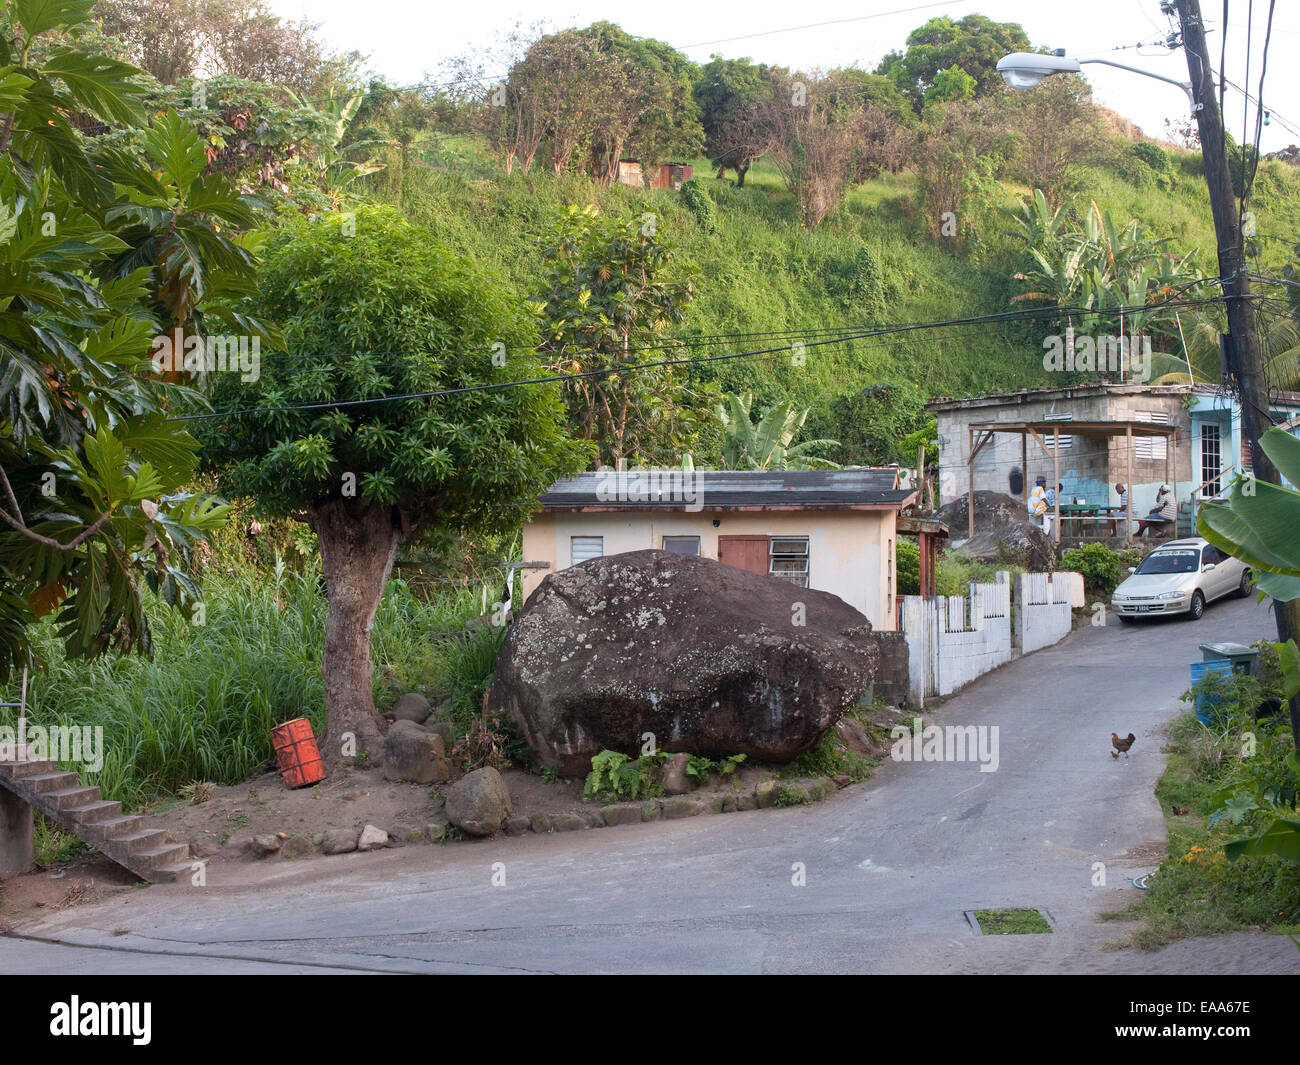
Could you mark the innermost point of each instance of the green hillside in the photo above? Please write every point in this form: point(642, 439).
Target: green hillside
point(870, 264)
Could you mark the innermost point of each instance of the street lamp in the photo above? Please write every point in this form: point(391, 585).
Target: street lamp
point(1024, 70)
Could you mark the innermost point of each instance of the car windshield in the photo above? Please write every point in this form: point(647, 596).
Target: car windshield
point(1170, 562)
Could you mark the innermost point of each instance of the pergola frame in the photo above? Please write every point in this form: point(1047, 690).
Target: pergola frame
point(980, 433)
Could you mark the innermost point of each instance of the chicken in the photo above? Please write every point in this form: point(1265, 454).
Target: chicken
point(1121, 744)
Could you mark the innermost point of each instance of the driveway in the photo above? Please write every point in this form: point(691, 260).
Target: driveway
point(889, 866)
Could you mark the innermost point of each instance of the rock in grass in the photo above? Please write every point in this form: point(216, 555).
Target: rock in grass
point(413, 754)
point(411, 707)
point(672, 775)
point(339, 841)
point(626, 813)
point(766, 793)
point(297, 847)
point(262, 846)
point(479, 802)
point(681, 806)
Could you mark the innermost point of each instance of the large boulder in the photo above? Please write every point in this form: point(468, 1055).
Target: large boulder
point(1004, 532)
point(711, 659)
point(479, 802)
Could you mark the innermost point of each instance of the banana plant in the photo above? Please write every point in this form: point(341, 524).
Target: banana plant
point(336, 169)
point(1260, 525)
point(769, 445)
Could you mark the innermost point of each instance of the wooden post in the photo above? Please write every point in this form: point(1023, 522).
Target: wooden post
point(1024, 466)
point(970, 484)
point(1056, 480)
point(920, 474)
point(1128, 495)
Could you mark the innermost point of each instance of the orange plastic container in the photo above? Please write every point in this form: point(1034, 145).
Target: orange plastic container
point(297, 753)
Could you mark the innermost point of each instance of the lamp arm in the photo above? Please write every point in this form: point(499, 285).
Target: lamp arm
point(1185, 86)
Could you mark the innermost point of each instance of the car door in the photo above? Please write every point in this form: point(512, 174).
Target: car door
point(1220, 580)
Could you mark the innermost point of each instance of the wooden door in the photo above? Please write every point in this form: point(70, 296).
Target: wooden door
point(744, 552)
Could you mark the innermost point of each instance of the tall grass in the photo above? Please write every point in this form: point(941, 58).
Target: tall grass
point(203, 707)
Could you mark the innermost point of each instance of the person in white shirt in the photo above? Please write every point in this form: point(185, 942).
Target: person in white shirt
point(1038, 505)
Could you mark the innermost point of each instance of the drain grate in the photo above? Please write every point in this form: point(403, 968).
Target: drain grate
point(1009, 922)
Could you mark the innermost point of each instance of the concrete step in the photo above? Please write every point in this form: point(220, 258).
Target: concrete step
point(113, 827)
point(168, 873)
point(60, 796)
point(75, 797)
point(135, 842)
point(94, 812)
point(165, 855)
point(43, 783)
point(23, 770)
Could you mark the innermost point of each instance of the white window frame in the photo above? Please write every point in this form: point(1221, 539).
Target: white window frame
point(788, 556)
point(1151, 447)
point(1066, 441)
point(574, 560)
point(663, 544)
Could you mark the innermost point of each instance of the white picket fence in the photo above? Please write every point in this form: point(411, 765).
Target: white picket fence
point(951, 640)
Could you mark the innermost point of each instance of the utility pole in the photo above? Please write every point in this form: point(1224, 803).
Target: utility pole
point(1244, 359)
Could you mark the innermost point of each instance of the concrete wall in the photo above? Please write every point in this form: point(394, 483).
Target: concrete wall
point(1042, 610)
point(850, 552)
point(955, 639)
point(1089, 468)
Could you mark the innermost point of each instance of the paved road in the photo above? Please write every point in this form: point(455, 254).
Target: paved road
point(890, 865)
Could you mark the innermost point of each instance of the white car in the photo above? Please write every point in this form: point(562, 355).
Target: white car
point(1180, 577)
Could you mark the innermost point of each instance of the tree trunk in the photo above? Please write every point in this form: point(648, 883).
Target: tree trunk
point(358, 543)
point(741, 171)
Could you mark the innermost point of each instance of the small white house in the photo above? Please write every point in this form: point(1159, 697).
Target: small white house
point(830, 530)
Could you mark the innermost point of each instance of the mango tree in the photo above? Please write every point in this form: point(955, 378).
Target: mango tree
point(374, 308)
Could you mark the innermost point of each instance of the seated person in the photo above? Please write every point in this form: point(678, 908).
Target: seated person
point(1162, 513)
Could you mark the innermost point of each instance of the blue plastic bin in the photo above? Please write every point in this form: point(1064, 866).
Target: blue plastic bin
point(1208, 710)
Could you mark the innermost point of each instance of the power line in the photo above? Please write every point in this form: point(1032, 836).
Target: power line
point(819, 25)
point(1032, 314)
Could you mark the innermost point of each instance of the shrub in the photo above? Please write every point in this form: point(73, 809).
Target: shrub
point(1099, 565)
point(615, 777)
point(698, 203)
point(908, 571)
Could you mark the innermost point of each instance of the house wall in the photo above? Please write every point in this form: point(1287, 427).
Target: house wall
point(1089, 468)
point(850, 552)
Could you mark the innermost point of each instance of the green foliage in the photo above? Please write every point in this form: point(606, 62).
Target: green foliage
point(1101, 567)
point(830, 758)
point(769, 445)
point(609, 294)
point(908, 576)
point(698, 767)
point(101, 248)
point(791, 795)
point(615, 777)
point(1261, 523)
point(697, 201)
point(389, 311)
point(204, 706)
point(974, 44)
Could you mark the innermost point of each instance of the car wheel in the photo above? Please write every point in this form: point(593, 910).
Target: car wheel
point(1197, 607)
point(1244, 588)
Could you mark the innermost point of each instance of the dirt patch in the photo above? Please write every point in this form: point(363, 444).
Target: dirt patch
point(60, 887)
point(1148, 852)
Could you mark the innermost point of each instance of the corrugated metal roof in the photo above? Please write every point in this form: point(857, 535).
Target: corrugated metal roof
point(710, 489)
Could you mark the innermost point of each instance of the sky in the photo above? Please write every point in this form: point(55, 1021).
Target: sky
point(407, 42)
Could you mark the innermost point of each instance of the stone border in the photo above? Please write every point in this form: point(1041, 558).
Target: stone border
point(768, 794)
